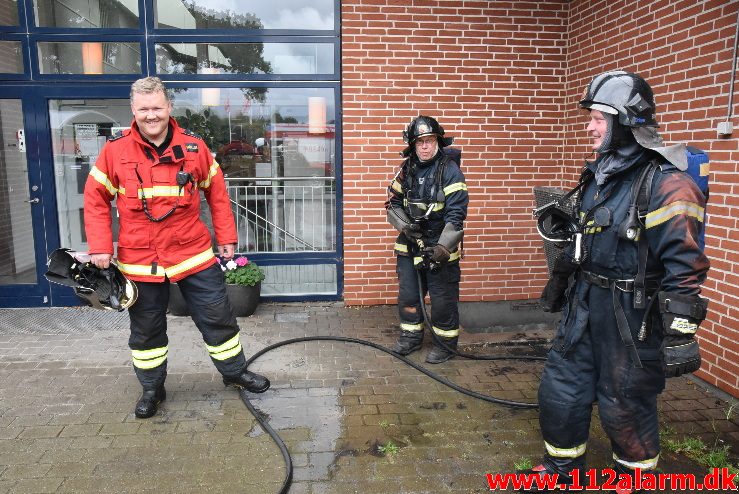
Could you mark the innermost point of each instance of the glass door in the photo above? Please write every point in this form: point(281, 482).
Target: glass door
point(23, 205)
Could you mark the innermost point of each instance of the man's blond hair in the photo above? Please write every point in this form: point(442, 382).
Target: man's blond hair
point(149, 85)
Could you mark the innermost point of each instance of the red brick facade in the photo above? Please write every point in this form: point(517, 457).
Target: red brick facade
point(504, 78)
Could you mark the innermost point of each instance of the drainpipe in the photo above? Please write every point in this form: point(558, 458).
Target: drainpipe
point(725, 128)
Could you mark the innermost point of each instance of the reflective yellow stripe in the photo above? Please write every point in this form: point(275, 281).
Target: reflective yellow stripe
point(161, 191)
point(438, 206)
point(189, 263)
point(565, 452)
point(705, 169)
point(211, 173)
point(446, 333)
point(396, 187)
point(596, 229)
point(225, 350)
point(411, 327)
point(671, 210)
point(401, 247)
point(140, 269)
point(454, 188)
point(454, 256)
point(417, 260)
point(649, 464)
point(103, 180)
point(148, 359)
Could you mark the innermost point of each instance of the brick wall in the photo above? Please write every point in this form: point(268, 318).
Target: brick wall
point(493, 74)
point(505, 78)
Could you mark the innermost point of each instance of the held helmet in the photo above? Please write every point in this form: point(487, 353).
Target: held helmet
point(423, 126)
point(624, 94)
point(106, 289)
point(556, 225)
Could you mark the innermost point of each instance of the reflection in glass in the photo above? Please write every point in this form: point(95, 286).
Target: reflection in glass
point(87, 13)
point(245, 14)
point(11, 57)
point(246, 58)
point(8, 12)
point(89, 58)
point(277, 148)
point(79, 129)
point(17, 261)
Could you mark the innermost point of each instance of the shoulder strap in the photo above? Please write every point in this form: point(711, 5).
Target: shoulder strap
point(439, 176)
point(640, 200)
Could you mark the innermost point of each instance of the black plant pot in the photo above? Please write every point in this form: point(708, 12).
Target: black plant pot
point(244, 300)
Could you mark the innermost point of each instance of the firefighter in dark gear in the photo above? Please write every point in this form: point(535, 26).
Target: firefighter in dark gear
point(611, 338)
point(428, 205)
point(155, 171)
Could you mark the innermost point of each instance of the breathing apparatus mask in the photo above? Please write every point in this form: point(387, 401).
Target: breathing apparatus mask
point(105, 289)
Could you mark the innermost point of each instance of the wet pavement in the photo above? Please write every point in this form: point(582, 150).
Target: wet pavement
point(354, 418)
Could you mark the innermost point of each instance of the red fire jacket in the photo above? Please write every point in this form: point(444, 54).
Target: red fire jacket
point(129, 170)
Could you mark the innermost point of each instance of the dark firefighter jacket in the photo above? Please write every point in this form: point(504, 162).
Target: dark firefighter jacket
point(129, 169)
point(416, 181)
point(672, 224)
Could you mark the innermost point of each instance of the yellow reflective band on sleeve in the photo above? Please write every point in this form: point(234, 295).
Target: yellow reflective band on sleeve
point(438, 206)
point(417, 260)
point(189, 263)
point(401, 247)
point(411, 327)
point(148, 359)
point(454, 188)
point(649, 464)
point(140, 269)
point(396, 187)
point(454, 256)
point(446, 333)
point(211, 173)
point(226, 350)
point(705, 169)
point(103, 180)
point(668, 212)
point(565, 452)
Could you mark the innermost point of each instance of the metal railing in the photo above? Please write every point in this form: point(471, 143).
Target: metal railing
point(284, 214)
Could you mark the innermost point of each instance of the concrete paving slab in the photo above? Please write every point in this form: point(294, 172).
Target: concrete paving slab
point(354, 418)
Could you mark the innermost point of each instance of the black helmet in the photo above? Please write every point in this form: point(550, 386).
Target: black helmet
point(424, 126)
point(624, 94)
point(105, 289)
point(556, 225)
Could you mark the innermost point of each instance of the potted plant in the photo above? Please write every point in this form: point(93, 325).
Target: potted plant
point(243, 287)
point(243, 284)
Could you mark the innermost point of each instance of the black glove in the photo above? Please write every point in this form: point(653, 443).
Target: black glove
point(412, 231)
point(437, 253)
point(681, 355)
point(553, 297)
point(681, 315)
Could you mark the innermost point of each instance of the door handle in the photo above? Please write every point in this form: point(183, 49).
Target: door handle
point(35, 200)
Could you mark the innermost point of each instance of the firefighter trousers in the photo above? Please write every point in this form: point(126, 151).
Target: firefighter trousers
point(442, 286)
point(205, 294)
point(596, 367)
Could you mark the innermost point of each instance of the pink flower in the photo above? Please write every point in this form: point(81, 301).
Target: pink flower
point(242, 261)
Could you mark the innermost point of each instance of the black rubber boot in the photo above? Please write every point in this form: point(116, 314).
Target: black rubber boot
point(408, 342)
point(541, 471)
point(249, 381)
point(624, 470)
point(149, 402)
point(439, 354)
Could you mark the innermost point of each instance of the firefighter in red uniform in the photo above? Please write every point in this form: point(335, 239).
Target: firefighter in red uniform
point(156, 171)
